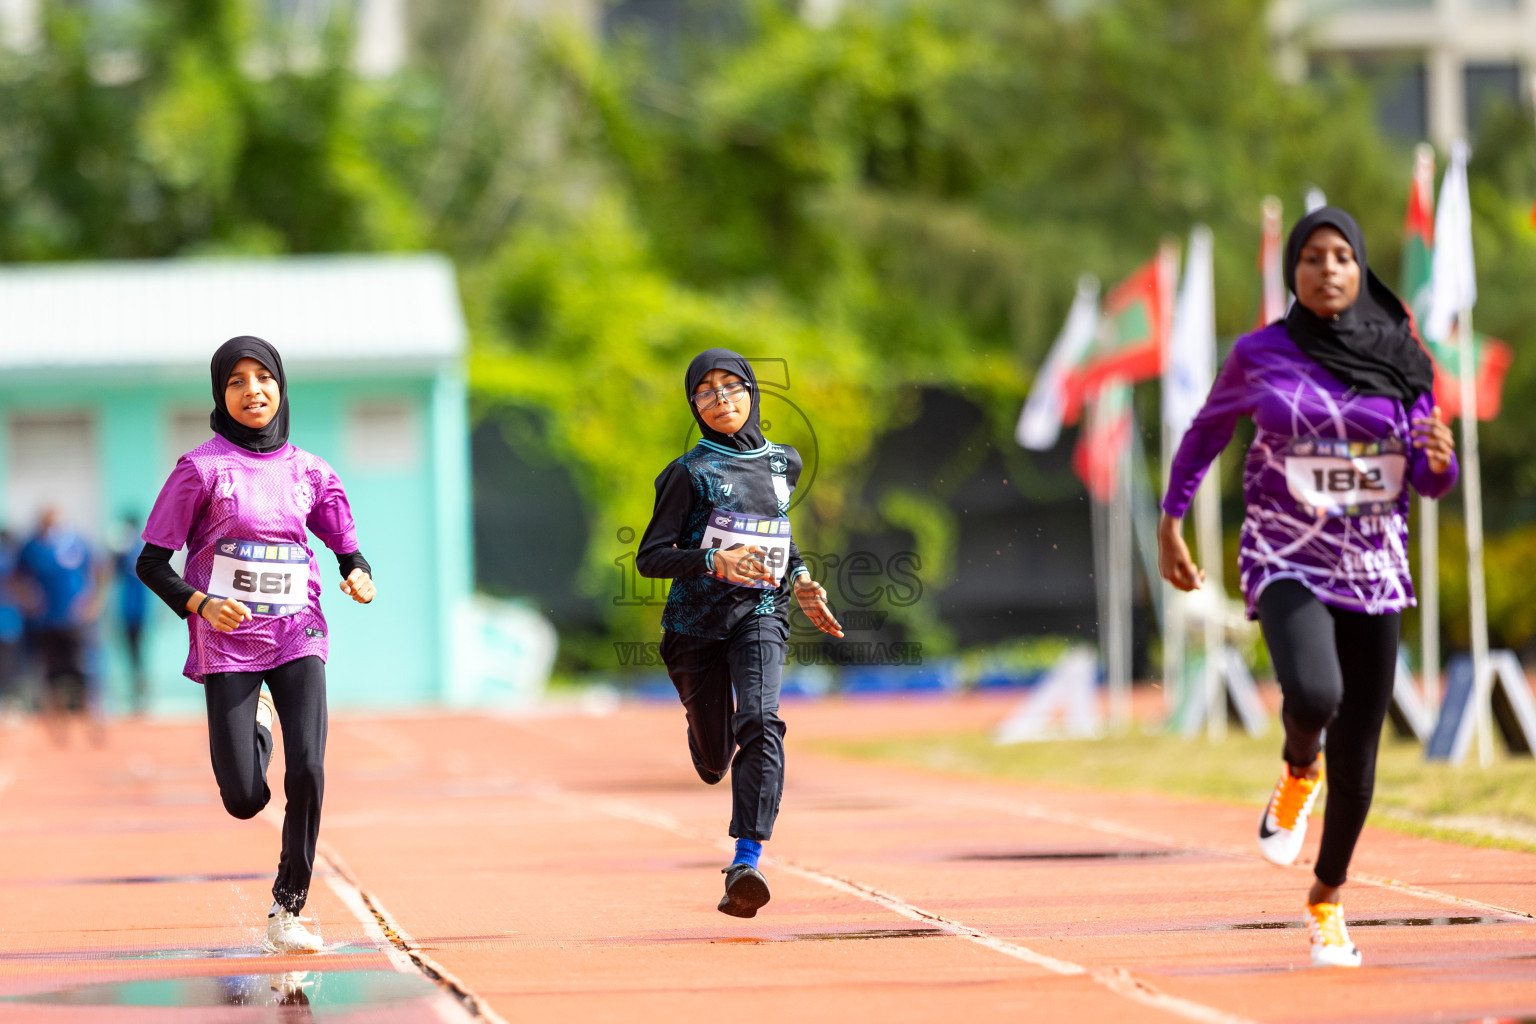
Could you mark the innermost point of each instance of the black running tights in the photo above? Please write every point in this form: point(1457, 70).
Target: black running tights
point(1336, 670)
point(241, 750)
point(705, 671)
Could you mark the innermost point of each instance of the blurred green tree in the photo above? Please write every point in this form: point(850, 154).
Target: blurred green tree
point(901, 199)
point(154, 130)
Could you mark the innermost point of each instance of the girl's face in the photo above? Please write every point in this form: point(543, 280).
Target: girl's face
point(1327, 274)
point(727, 415)
point(251, 394)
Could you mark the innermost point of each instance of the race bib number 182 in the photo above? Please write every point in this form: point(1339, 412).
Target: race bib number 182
point(737, 529)
point(269, 579)
point(1336, 477)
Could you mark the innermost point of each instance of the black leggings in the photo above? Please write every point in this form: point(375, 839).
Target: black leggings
point(241, 750)
point(1336, 670)
point(705, 671)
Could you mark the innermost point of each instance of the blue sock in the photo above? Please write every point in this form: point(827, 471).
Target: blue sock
point(747, 852)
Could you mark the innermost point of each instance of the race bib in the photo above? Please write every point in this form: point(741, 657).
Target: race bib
point(269, 579)
point(1346, 478)
point(737, 529)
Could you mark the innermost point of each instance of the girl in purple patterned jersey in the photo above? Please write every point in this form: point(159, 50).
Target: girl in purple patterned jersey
point(242, 503)
point(1341, 394)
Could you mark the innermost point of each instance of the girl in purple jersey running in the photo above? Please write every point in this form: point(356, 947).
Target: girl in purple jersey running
point(1341, 394)
point(242, 502)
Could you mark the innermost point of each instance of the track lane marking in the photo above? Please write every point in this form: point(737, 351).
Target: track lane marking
point(1117, 980)
point(1114, 828)
point(456, 1001)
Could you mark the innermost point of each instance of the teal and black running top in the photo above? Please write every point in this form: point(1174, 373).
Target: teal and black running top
point(709, 479)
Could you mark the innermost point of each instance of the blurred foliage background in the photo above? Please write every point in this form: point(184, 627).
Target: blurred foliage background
point(897, 205)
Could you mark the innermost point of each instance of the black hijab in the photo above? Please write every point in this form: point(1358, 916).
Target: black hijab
point(750, 436)
point(1370, 346)
point(270, 437)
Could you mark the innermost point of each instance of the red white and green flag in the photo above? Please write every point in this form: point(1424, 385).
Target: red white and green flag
point(1134, 327)
point(1103, 440)
point(1040, 422)
point(1271, 273)
point(1492, 356)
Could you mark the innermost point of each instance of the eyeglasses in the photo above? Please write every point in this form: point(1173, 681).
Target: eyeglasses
point(705, 400)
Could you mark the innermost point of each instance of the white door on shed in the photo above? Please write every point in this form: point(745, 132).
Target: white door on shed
point(50, 460)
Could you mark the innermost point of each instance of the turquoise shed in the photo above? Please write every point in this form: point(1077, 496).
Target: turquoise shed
point(104, 383)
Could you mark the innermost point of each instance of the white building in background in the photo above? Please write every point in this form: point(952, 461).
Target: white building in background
point(380, 47)
point(1435, 66)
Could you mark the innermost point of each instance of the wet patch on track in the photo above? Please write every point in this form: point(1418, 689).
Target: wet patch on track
point(190, 953)
point(326, 988)
point(869, 933)
point(1365, 922)
point(245, 876)
point(1070, 855)
point(855, 934)
point(775, 936)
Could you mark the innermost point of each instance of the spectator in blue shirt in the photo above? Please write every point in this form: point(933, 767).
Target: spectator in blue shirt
point(132, 606)
point(58, 569)
point(10, 624)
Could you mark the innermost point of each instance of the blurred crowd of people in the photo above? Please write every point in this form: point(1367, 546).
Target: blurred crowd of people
point(54, 591)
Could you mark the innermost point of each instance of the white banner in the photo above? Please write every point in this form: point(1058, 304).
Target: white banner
point(1040, 422)
point(1192, 349)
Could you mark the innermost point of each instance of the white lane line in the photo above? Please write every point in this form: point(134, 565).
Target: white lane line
point(1116, 980)
point(352, 899)
point(455, 1002)
point(1115, 828)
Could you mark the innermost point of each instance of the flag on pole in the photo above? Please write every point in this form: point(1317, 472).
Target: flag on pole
point(1419, 234)
point(1271, 272)
point(1103, 440)
point(1533, 99)
point(1454, 284)
point(1040, 422)
point(1132, 340)
point(1491, 356)
point(1192, 347)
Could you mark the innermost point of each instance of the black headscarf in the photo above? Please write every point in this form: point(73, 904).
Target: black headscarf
point(750, 436)
point(1370, 346)
point(270, 437)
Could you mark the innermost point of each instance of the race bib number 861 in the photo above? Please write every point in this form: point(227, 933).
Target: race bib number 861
point(269, 579)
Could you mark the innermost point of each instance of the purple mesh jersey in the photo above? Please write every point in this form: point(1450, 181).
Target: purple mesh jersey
point(1326, 479)
point(242, 517)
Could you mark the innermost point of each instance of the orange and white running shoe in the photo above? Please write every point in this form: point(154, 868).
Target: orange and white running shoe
point(1330, 939)
point(1284, 824)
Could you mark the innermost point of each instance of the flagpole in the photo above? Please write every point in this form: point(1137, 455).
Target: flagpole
point(1472, 497)
point(1174, 626)
point(1208, 536)
point(1120, 569)
point(1100, 515)
point(1429, 603)
point(1419, 198)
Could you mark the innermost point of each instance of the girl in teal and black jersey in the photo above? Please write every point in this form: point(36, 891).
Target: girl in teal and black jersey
point(721, 532)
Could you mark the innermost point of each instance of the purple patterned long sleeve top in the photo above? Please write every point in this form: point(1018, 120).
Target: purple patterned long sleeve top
point(1325, 482)
point(243, 517)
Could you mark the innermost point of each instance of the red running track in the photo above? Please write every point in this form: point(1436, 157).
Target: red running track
point(565, 867)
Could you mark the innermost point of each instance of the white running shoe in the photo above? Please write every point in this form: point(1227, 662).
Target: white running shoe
point(266, 711)
point(1284, 824)
point(290, 987)
point(286, 934)
point(1330, 939)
